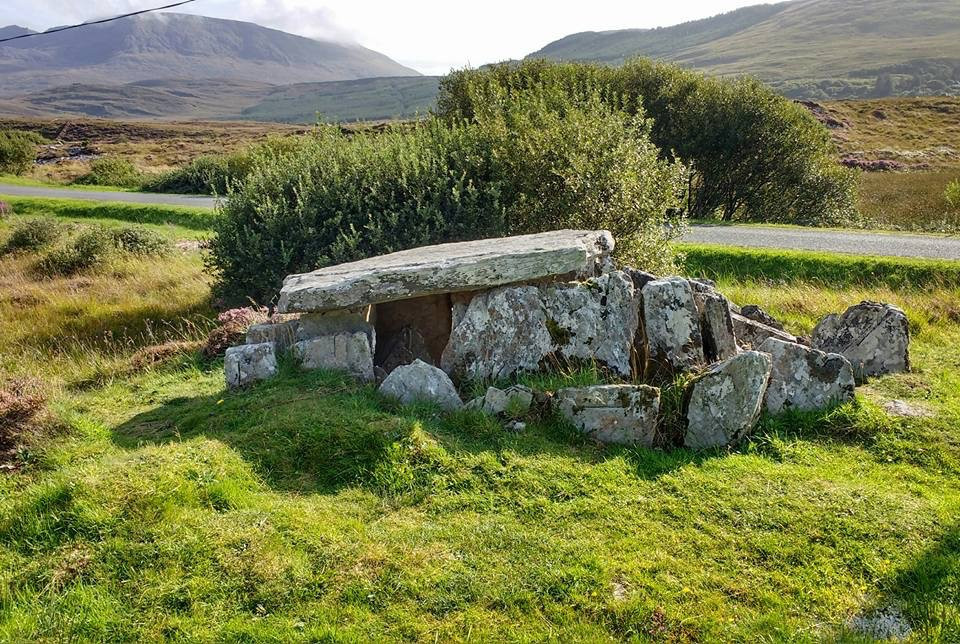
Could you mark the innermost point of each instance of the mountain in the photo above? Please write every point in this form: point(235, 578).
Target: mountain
point(369, 99)
point(803, 48)
point(180, 46)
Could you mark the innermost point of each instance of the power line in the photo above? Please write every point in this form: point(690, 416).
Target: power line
point(97, 22)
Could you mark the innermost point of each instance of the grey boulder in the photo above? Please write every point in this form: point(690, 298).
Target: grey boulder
point(874, 337)
point(755, 313)
point(420, 381)
point(249, 363)
point(724, 403)
point(514, 401)
point(618, 414)
point(805, 379)
point(716, 327)
point(672, 325)
point(751, 334)
point(350, 352)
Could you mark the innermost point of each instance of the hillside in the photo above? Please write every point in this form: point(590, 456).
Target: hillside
point(804, 48)
point(164, 46)
point(356, 100)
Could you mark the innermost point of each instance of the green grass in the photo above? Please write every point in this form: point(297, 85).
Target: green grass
point(13, 180)
point(195, 219)
point(309, 508)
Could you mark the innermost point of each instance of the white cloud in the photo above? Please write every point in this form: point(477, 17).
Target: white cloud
point(430, 35)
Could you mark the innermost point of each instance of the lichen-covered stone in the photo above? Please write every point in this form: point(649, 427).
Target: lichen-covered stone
point(805, 379)
point(716, 327)
point(724, 403)
point(874, 337)
point(249, 363)
point(514, 401)
point(757, 314)
point(502, 332)
point(282, 334)
point(350, 352)
point(751, 334)
point(595, 320)
point(619, 414)
point(420, 381)
point(514, 329)
point(672, 325)
point(448, 268)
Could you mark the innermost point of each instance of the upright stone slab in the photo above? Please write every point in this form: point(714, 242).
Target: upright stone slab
point(725, 402)
point(502, 332)
point(874, 337)
point(350, 352)
point(805, 379)
point(594, 320)
point(672, 325)
point(420, 381)
point(716, 327)
point(448, 268)
point(249, 363)
point(619, 414)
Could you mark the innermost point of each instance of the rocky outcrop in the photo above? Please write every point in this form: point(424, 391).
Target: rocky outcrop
point(874, 337)
point(420, 381)
point(724, 403)
point(804, 379)
point(447, 268)
point(513, 402)
point(619, 414)
point(249, 363)
point(672, 325)
point(349, 352)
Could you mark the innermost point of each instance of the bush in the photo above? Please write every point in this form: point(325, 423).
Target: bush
point(89, 249)
point(521, 170)
point(112, 172)
point(34, 234)
point(752, 154)
point(139, 241)
point(18, 150)
point(216, 174)
point(231, 329)
point(5, 210)
point(952, 194)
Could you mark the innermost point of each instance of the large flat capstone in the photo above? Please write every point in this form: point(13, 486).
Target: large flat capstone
point(447, 268)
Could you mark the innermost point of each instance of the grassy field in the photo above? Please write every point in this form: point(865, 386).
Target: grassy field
point(151, 504)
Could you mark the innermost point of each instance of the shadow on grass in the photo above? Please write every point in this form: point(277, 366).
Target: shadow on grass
point(318, 432)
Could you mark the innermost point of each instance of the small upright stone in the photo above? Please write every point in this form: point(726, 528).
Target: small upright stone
point(716, 326)
point(725, 402)
point(350, 352)
point(249, 363)
point(805, 379)
point(672, 325)
point(421, 381)
point(874, 337)
point(755, 313)
point(619, 414)
point(514, 401)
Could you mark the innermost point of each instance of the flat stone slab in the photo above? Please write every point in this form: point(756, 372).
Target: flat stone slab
point(446, 268)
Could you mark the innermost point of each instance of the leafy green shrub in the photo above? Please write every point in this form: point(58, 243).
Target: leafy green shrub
point(112, 171)
point(521, 170)
point(952, 194)
point(217, 173)
point(34, 234)
point(137, 240)
point(752, 154)
point(89, 249)
point(17, 151)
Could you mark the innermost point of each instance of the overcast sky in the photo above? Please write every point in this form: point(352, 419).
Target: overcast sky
point(431, 36)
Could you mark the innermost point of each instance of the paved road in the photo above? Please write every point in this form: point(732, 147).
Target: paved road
point(860, 243)
point(123, 197)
